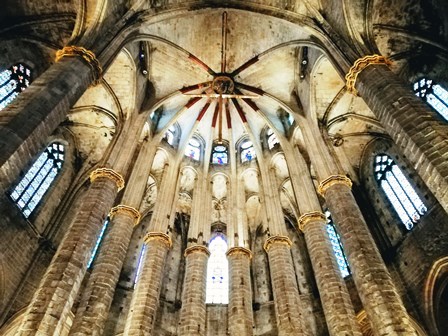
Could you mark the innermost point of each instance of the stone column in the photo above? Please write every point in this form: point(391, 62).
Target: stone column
point(284, 287)
point(97, 298)
point(415, 128)
point(53, 300)
point(378, 294)
point(192, 314)
point(240, 313)
point(338, 309)
point(145, 300)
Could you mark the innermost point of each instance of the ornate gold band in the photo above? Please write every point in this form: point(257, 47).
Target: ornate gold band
point(239, 250)
point(125, 209)
point(110, 174)
point(276, 240)
point(310, 217)
point(162, 237)
point(359, 65)
point(332, 180)
point(86, 55)
point(196, 248)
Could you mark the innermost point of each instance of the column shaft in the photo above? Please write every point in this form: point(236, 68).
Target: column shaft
point(53, 300)
point(240, 311)
point(97, 298)
point(284, 286)
point(193, 312)
point(145, 300)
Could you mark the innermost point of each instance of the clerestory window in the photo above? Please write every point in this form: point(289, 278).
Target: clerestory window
point(13, 81)
point(272, 138)
point(247, 151)
point(217, 290)
point(32, 187)
point(98, 243)
point(434, 94)
point(220, 155)
point(140, 264)
point(193, 149)
point(336, 244)
point(399, 191)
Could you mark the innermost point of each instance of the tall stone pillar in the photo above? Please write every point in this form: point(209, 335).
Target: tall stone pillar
point(284, 287)
point(145, 300)
point(96, 300)
point(192, 314)
point(421, 135)
point(53, 300)
point(338, 309)
point(240, 315)
point(378, 294)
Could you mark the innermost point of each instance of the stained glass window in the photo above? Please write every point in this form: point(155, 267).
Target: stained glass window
point(247, 151)
point(217, 290)
point(337, 246)
point(170, 134)
point(434, 94)
point(13, 81)
point(272, 138)
point(98, 243)
point(140, 264)
point(399, 191)
point(219, 155)
point(193, 149)
point(32, 187)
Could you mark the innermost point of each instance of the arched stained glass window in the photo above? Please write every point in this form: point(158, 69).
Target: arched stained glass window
point(98, 243)
point(217, 290)
point(337, 246)
point(140, 264)
point(247, 151)
point(219, 155)
point(272, 138)
point(434, 94)
point(399, 191)
point(32, 187)
point(13, 81)
point(170, 135)
point(193, 149)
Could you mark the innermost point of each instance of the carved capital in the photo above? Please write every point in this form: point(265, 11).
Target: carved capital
point(276, 240)
point(239, 250)
point(162, 237)
point(110, 174)
point(196, 248)
point(359, 65)
point(128, 210)
point(88, 56)
point(331, 181)
point(310, 217)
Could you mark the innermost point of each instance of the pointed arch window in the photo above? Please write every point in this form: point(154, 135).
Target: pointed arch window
point(399, 191)
point(140, 264)
point(170, 134)
point(220, 155)
point(337, 246)
point(217, 290)
point(33, 186)
point(13, 81)
point(99, 240)
point(272, 138)
point(247, 151)
point(434, 94)
point(193, 149)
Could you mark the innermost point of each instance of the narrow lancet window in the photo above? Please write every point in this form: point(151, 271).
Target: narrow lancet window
point(98, 243)
point(434, 94)
point(13, 81)
point(32, 187)
point(140, 264)
point(399, 191)
point(337, 247)
point(247, 151)
point(217, 290)
point(193, 149)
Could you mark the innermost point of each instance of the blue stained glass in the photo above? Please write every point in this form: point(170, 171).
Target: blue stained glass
point(13, 81)
point(98, 242)
point(219, 155)
point(337, 247)
point(247, 151)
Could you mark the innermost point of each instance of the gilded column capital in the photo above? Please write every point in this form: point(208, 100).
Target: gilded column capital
point(310, 217)
point(110, 174)
point(196, 248)
point(239, 250)
point(88, 56)
point(128, 210)
point(331, 181)
point(276, 240)
point(359, 65)
point(162, 237)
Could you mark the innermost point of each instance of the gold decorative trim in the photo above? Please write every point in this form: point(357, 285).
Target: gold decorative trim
point(126, 209)
point(276, 239)
point(359, 65)
point(163, 237)
point(331, 181)
point(309, 217)
point(239, 250)
point(196, 248)
point(110, 174)
point(86, 55)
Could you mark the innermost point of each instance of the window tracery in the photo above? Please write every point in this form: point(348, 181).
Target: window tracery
point(399, 191)
point(337, 247)
point(434, 94)
point(217, 289)
point(247, 151)
point(13, 81)
point(33, 186)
